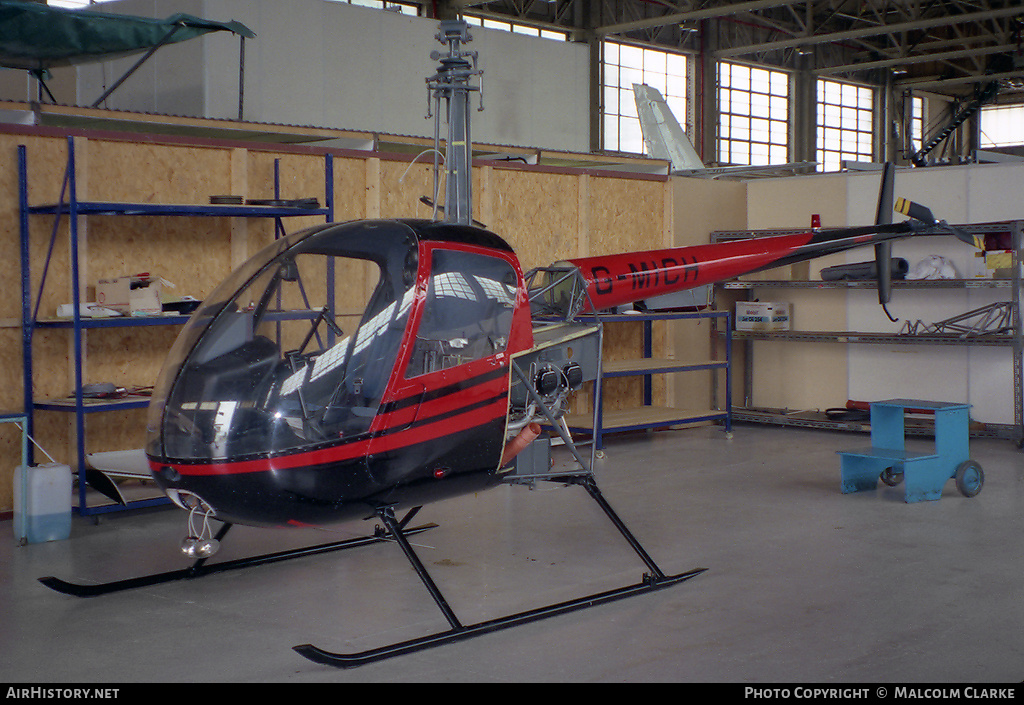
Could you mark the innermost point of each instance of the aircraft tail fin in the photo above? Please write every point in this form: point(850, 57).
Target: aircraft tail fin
point(664, 137)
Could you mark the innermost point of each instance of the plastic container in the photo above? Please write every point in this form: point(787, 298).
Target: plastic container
point(42, 503)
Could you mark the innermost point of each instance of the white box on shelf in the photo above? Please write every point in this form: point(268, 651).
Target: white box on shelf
point(762, 315)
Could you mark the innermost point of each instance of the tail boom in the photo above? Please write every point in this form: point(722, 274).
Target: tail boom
point(616, 280)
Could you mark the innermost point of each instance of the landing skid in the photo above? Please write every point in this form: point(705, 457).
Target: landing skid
point(651, 581)
point(200, 568)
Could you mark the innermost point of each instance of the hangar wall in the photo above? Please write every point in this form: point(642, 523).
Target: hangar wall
point(822, 375)
point(804, 375)
point(702, 206)
point(981, 376)
point(331, 64)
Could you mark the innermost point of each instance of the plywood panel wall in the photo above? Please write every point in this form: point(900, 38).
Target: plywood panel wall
point(547, 215)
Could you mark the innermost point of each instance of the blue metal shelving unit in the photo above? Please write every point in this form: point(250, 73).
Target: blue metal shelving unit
point(72, 208)
point(648, 417)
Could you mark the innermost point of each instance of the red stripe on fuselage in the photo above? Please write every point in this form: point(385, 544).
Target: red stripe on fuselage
point(444, 425)
point(484, 402)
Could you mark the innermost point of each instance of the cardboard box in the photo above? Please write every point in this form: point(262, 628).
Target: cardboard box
point(992, 264)
point(762, 315)
point(130, 296)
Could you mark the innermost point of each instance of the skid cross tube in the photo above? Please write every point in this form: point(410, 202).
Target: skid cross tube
point(387, 515)
point(655, 580)
point(591, 486)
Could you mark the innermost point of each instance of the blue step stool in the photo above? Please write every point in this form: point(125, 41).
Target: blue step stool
point(923, 474)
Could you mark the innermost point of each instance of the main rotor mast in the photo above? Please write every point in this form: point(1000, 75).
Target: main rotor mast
point(452, 82)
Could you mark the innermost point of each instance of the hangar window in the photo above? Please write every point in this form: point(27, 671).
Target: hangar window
point(516, 28)
point(845, 124)
point(1002, 126)
point(623, 65)
point(753, 104)
point(916, 123)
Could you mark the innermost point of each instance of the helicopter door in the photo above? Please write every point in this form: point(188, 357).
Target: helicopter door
point(467, 313)
point(455, 364)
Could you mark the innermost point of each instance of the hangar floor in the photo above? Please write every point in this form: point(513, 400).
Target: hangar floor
point(804, 584)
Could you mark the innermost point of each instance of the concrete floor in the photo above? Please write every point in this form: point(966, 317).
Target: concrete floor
point(804, 584)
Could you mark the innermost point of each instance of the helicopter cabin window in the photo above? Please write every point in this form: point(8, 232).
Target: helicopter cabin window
point(467, 314)
point(300, 350)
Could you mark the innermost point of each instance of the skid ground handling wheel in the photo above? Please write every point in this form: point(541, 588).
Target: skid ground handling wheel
point(969, 478)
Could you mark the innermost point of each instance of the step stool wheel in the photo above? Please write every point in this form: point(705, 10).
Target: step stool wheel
point(890, 477)
point(969, 478)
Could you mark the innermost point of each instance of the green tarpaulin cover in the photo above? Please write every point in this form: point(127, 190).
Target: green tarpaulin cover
point(37, 37)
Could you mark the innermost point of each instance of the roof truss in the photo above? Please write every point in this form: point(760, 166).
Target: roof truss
point(951, 47)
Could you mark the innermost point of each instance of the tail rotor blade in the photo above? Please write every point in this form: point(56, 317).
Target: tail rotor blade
point(883, 215)
point(915, 211)
point(965, 237)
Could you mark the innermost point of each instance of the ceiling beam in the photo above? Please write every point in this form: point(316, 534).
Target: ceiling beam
point(944, 82)
point(915, 59)
point(871, 31)
point(706, 13)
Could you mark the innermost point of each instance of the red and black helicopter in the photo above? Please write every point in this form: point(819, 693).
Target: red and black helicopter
point(352, 370)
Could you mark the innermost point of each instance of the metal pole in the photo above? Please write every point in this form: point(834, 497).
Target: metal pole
point(241, 75)
point(27, 319)
point(166, 38)
point(1018, 334)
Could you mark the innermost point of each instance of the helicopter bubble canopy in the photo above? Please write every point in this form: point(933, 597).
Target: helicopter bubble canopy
point(294, 349)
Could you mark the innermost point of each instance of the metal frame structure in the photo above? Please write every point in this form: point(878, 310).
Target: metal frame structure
point(943, 46)
point(70, 206)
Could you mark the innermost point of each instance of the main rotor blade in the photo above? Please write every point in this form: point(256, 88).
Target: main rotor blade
point(883, 250)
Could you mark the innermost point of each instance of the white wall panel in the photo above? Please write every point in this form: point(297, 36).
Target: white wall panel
point(981, 376)
point(328, 64)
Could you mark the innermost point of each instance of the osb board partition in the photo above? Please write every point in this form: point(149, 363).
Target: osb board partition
point(545, 215)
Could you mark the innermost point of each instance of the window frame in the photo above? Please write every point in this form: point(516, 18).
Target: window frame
point(844, 124)
point(661, 69)
point(750, 128)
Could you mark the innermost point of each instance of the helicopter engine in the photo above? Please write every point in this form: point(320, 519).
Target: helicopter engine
point(551, 373)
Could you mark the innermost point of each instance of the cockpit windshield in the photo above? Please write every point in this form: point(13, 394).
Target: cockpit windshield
point(295, 349)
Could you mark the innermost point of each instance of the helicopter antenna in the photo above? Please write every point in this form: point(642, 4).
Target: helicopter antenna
point(452, 83)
